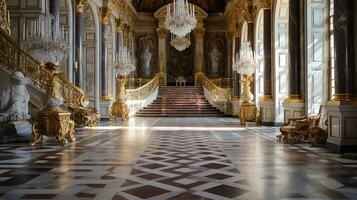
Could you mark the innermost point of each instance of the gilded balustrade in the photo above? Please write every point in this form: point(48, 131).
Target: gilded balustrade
point(144, 91)
point(223, 82)
point(132, 83)
point(17, 59)
point(219, 93)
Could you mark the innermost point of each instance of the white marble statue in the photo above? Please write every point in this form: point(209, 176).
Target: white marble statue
point(145, 57)
point(215, 57)
point(14, 99)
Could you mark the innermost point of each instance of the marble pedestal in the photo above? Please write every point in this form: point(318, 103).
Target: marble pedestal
point(15, 132)
point(105, 109)
point(293, 109)
point(235, 106)
point(342, 127)
point(267, 112)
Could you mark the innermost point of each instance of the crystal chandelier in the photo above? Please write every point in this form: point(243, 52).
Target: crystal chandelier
point(182, 19)
point(180, 43)
point(125, 62)
point(45, 41)
point(244, 62)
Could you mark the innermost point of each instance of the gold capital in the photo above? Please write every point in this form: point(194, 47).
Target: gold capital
point(161, 32)
point(81, 5)
point(105, 13)
point(120, 25)
point(199, 32)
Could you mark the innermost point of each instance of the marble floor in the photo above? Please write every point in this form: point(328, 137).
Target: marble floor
point(176, 159)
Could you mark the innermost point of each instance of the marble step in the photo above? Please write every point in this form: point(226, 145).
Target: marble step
point(180, 102)
point(179, 115)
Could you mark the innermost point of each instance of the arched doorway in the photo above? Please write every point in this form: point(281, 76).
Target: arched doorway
point(317, 55)
point(259, 55)
point(281, 33)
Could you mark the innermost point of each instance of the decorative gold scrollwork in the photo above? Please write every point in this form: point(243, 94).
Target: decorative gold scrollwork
point(219, 93)
point(144, 91)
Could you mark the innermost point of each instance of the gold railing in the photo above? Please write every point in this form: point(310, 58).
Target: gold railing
point(219, 93)
point(16, 59)
point(223, 82)
point(132, 83)
point(144, 91)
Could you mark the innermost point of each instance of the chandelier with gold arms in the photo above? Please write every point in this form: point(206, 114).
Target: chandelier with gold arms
point(125, 62)
point(182, 19)
point(245, 62)
point(45, 41)
point(180, 43)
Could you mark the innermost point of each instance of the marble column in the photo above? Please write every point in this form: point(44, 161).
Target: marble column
point(342, 110)
point(79, 33)
point(107, 101)
point(344, 49)
point(104, 55)
point(267, 54)
point(236, 76)
point(266, 104)
point(161, 33)
point(199, 55)
point(55, 7)
point(252, 42)
point(229, 47)
point(294, 105)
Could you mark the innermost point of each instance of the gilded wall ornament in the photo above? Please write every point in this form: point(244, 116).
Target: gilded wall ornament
point(4, 18)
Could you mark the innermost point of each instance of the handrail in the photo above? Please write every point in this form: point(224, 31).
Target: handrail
point(17, 59)
point(220, 94)
point(132, 83)
point(223, 82)
point(144, 91)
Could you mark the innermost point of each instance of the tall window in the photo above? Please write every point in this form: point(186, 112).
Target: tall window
point(317, 54)
point(281, 35)
point(259, 53)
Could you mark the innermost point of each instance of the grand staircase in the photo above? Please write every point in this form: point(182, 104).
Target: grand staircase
point(180, 102)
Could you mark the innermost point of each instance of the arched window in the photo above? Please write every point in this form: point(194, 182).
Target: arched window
point(281, 27)
point(317, 54)
point(259, 54)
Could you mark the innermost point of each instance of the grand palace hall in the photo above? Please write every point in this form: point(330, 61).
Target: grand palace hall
point(178, 99)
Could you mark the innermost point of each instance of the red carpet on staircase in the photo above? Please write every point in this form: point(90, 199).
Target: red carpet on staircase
point(180, 102)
